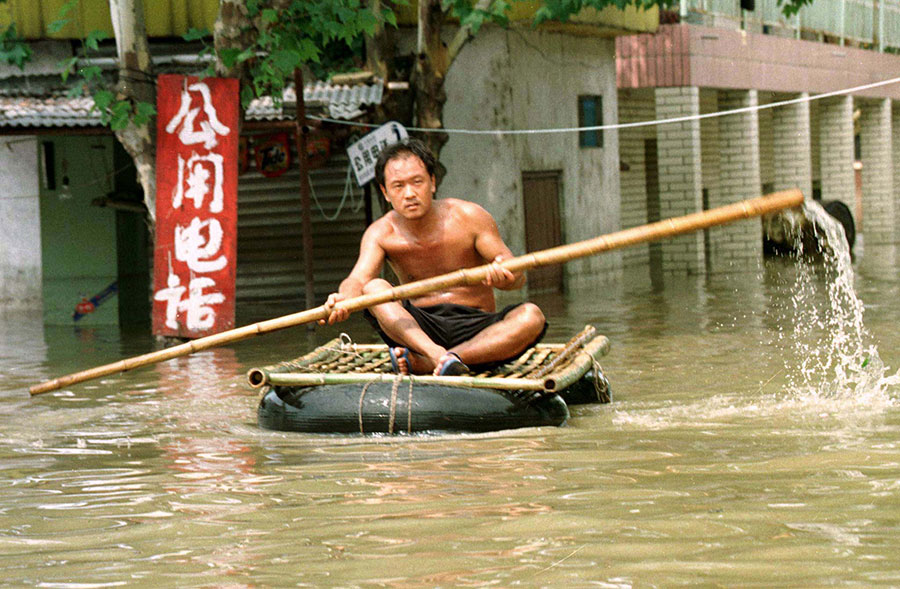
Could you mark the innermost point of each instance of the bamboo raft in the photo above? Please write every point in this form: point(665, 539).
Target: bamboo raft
point(341, 387)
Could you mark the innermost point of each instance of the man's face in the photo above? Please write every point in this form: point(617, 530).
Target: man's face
point(408, 186)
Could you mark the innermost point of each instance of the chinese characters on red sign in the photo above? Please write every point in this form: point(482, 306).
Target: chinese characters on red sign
point(196, 206)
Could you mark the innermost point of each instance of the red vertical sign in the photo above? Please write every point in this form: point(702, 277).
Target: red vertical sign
point(196, 205)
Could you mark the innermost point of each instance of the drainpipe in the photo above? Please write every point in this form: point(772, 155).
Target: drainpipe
point(881, 26)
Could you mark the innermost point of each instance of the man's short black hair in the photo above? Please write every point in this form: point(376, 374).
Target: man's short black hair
point(410, 146)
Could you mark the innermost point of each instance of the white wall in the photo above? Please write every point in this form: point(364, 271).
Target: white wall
point(521, 79)
point(20, 229)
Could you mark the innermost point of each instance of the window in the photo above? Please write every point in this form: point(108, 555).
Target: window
point(590, 114)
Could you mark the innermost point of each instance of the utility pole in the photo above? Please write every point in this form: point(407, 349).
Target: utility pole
point(302, 132)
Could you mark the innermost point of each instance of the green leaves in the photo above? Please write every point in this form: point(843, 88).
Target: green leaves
point(103, 99)
point(229, 57)
point(115, 112)
point(119, 114)
point(196, 34)
point(792, 7)
point(59, 24)
point(13, 49)
point(67, 66)
point(91, 73)
point(326, 34)
point(92, 41)
point(286, 60)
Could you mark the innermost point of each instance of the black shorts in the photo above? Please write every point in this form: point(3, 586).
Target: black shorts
point(448, 324)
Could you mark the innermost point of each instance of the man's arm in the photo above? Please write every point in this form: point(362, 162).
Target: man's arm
point(490, 246)
point(368, 266)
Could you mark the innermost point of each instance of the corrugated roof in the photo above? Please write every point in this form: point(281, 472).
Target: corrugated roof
point(25, 111)
point(337, 101)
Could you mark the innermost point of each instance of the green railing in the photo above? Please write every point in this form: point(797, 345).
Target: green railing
point(858, 21)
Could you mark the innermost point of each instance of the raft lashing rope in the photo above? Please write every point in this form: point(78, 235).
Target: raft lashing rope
point(342, 387)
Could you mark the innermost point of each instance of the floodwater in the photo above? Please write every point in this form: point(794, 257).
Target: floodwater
point(753, 440)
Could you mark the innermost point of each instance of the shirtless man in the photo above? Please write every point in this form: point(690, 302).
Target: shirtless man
point(441, 332)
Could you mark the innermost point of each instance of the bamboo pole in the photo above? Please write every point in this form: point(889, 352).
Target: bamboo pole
point(284, 374)
point(259, 377)
point(561, 379)
point(332, 378)
point(753, 207)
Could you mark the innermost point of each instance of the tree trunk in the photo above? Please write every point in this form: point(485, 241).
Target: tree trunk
point(433, 60)
point(136, 83)
point(383, 61)
point(428, 76)
point(232, 31)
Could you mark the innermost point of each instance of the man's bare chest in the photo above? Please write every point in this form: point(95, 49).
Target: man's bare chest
point(422, 257)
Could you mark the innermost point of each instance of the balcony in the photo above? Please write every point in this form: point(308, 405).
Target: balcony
point(868, 24)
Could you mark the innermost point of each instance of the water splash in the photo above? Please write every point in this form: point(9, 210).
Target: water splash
point(838, 357)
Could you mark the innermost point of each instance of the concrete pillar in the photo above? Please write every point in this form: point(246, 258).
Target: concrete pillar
point(20, 225)
point(836, 149)
point(792, 147)
point(876, 152)
point(737, 246)
point(635, 105)
point(895, 159)
point(680, 179)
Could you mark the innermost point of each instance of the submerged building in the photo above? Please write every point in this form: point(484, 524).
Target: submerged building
point(773, 70)
point(707, 57)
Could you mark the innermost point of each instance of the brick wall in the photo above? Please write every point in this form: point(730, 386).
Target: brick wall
point(766, 144)
point(709, 141)
point(792, 147)
point(680, 175)
point(876, 140)
point(814, 143)
point(635, 106)
point(737, 246)
point(836, 149)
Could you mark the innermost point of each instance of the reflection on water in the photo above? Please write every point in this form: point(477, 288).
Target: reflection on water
point(745, 446)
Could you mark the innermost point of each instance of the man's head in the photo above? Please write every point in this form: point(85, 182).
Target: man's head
point(405, 174)
point(412, 147)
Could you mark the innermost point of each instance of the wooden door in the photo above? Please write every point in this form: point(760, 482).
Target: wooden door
point(543, 228)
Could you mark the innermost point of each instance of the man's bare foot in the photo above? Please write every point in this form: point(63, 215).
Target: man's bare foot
point(405, 361)
point(399, 360)
point(450, 364)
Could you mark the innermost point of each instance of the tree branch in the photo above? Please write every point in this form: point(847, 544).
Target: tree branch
point(464, 34)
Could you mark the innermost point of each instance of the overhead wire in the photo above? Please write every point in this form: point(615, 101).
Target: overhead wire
point(502, 132)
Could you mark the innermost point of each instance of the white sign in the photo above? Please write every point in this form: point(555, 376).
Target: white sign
point(364, 152)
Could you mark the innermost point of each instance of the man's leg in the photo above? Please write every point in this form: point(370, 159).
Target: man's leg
point(504, 339)
point(399, 325)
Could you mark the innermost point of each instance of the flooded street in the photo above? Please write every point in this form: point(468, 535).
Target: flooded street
point(753, 439)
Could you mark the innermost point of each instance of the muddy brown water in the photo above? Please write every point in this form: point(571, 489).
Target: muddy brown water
point(745, 445)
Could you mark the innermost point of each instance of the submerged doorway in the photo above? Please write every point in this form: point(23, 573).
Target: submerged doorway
point(94, 240)
point(543, 228)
